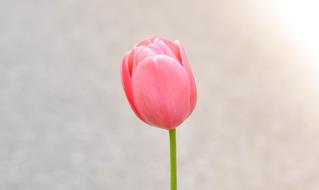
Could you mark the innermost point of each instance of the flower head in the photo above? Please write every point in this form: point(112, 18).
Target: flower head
point(158, 82)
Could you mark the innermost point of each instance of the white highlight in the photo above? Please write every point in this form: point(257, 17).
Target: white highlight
point(302, 17)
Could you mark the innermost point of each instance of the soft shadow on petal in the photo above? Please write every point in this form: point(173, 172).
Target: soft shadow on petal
point(127, 85)
point(188, 69)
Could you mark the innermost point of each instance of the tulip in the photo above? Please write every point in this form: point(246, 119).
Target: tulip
point(158, 82)
point(160, 87)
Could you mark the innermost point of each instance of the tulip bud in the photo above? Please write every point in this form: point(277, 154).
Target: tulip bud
point(158, 82)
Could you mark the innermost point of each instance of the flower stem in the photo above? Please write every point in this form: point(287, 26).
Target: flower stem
point(172, 142)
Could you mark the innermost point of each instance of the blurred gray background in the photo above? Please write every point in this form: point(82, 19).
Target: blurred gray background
point(65, 122)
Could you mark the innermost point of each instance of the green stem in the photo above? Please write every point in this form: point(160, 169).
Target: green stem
point(172, 143)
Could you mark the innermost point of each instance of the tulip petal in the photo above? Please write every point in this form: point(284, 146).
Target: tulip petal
point(156, 49)
point(188, 69)
point(128, 61)
point(146, 41)
point(127, 85)
point(151, 40)
point(164, 48)
point(161, 91)
point(174, 48)
point(150, 43)
point(142, 52)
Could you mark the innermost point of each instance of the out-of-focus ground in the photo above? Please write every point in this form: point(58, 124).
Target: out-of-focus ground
point(65, 123)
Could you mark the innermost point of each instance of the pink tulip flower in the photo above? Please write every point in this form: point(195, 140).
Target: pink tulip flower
point(158, 82)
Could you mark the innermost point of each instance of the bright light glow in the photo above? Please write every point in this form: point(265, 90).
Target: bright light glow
point(302, 17)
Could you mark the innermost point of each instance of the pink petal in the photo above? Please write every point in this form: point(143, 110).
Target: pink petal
point(164, 48)
point(161, 91)
point(156, 49)
point(141, 53)
point(174, 47)
point(127, 85)
point(188, 69)
point(136, 55)
point(128, 61)
point(150, 40)
point(146, 41)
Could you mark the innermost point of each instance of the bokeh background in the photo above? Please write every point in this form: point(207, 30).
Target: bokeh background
point(65, 122)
